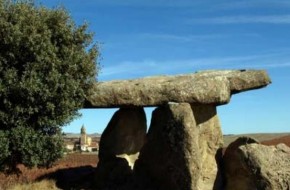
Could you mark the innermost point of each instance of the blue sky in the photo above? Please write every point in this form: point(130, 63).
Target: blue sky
point(158, 37)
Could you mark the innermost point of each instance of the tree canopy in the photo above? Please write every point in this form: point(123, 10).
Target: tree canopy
point(47, 66)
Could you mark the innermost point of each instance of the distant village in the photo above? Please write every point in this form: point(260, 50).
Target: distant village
point(82, 142)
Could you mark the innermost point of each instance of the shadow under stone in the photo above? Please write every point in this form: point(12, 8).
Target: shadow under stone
point(73, 178)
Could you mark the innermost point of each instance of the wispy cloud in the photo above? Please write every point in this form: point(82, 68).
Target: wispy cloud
point(148, 3)
point(183, 38)
point(268, 19)
point(143, 68)
point(246, 4)
point(273, 65)
point(218, 5)
point(128, 67)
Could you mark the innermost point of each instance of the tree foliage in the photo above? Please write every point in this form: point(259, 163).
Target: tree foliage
point(47, 65)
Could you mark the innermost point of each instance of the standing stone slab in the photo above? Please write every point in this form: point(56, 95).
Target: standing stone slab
point(210, 143)
point(119, 146)
point(170, 158)
point(174, 156)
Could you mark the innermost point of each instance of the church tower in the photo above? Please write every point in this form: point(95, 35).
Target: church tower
point(83, 130)
point(83, 139)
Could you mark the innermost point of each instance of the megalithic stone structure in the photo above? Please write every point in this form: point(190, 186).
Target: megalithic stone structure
point(182, 147)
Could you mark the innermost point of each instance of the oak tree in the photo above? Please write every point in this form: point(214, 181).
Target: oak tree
point(47, 65)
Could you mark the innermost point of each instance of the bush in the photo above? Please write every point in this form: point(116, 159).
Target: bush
point(47, 65)
point(33, 148)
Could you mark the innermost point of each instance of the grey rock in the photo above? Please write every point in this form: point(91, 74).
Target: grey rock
point(181, 148)
point(252, 166)
point(236, 175)
point(207, 87)
point(120, 144)
point(210, 142)
point(125, 133)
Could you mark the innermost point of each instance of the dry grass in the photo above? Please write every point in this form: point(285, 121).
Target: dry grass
point(41, 185)
point(72, 164)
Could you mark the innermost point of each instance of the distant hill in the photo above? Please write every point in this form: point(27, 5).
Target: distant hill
point(259, 136)
point(77, 135)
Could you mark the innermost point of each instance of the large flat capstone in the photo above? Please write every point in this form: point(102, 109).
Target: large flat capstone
point(207, 87)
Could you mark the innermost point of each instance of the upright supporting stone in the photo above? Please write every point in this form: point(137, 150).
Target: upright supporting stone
point(210, 144)
point(119, 146)
point(181, 143)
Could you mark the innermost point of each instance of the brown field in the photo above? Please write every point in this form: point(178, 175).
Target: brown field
point(67, 173)
point(284, 139)
point(261, 137)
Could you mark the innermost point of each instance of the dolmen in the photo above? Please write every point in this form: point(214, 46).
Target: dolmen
point(182, 149)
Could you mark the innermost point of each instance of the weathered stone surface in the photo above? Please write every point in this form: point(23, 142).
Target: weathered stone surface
point(236, 175)
point(208, 87)
point(256, 166)
point(119, 146)
point(210, 143)
point(272, 165)
point(181, 148)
